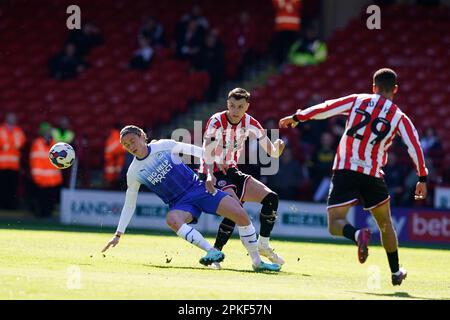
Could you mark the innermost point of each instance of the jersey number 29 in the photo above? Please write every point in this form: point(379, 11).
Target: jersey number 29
point(380, 134)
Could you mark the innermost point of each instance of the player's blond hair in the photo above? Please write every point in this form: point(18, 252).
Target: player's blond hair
point(134, 130)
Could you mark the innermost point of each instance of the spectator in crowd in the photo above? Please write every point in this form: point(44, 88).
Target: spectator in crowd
point(84, 39)
point(308, 49)
point(211, 58)
point(196, 14)
point(312, 130)
point(337, 126)
point(12, 139)
point(291, 176)
point(46, 178)
point(190, 42)
point(263, 159)
point(430, 141)
point(62, 132)
point(395, 173)
point(153, 32)
point(66, 64)
point(428, 2)
point(246, 41)
point(321, 168)
point(143, 57)
point(287, 27)
point(114, 156)
point(409, 183)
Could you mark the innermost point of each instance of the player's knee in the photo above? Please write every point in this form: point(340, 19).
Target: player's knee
point(331, 214)
point(385, 226)
point(241, 216)
point(270, 203)
point(173, 222)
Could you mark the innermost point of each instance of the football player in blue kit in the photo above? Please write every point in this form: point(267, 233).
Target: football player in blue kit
point(159, 167)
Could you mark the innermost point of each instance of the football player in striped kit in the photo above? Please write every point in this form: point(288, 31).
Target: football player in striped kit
point(373, 123)
point(224, 140)
point(157, 165)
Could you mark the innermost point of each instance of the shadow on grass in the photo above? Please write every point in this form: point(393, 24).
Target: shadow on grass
point(405, 295)
point(158, 266)
point(54, 225)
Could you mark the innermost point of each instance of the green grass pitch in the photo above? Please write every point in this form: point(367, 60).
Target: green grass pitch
point(64, 264)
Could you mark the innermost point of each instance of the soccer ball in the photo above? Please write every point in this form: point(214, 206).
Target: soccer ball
point(61, 155)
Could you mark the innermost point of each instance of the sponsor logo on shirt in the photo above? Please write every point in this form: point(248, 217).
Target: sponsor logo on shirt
point(160, 172)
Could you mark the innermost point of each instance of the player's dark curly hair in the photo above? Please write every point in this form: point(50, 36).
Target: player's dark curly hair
point(385, 79)
point(239, 93)
point(134, 130)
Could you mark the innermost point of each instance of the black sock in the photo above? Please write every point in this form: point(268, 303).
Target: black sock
point(268, 214)
point(349, 232)
point(224, 233)
point(267, 222)
point(393, 261)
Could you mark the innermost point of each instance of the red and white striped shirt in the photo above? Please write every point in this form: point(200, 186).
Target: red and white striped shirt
point(372, 124)
point(230, 138)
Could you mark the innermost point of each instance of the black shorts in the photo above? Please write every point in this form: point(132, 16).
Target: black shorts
point(349, 187)
point(235, 179)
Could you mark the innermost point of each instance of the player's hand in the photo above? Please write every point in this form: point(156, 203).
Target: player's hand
point(287, 122)
point(112, 243)
point(279, 146)
point(421, 191)
point(210, 183)
point(222, 167)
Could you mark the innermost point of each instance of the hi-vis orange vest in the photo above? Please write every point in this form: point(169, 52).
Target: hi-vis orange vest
point(11, 141)
point(287, 15)
point(114, 157)
point(44, 174)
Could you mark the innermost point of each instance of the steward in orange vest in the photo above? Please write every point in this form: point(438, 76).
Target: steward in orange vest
point(287, 15)
point(287, 27)
point(45, 176)
point(114, 157)
point(12, 140)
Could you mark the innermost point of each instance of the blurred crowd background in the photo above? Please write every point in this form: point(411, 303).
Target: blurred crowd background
point(163, 64)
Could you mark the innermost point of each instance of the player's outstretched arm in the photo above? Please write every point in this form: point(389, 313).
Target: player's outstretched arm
point(288, 122)
point(126, 214)
point(113, 242)
point(209, 148)
point(273, 149)
point(320, 111)
point(186, 148)
point(410, 137)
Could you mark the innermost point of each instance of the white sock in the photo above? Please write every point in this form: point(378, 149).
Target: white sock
point(248, 238)
point(263, 241)
point(356, 235)
point(193, 236)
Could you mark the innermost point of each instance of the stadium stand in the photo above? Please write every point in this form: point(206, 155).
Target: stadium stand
point(108, 91)
point(418, 52)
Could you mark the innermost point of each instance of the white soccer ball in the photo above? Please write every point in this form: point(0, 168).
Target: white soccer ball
point(61, 155)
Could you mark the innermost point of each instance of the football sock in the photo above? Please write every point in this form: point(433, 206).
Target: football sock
point(248, 238)
point(268, 214)
point(263, 241)
point(193, 236)
point(356, 235)
point(224, 233)
point(393, 261)
point(349, 232)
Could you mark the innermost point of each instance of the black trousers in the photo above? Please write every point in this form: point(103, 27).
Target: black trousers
point(281, 43)
point(46, 199)
point(8, 189)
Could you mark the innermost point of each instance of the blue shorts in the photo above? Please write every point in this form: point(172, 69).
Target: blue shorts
point(197, 199)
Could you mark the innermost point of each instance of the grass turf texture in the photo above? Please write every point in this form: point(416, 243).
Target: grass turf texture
point(44, 264)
